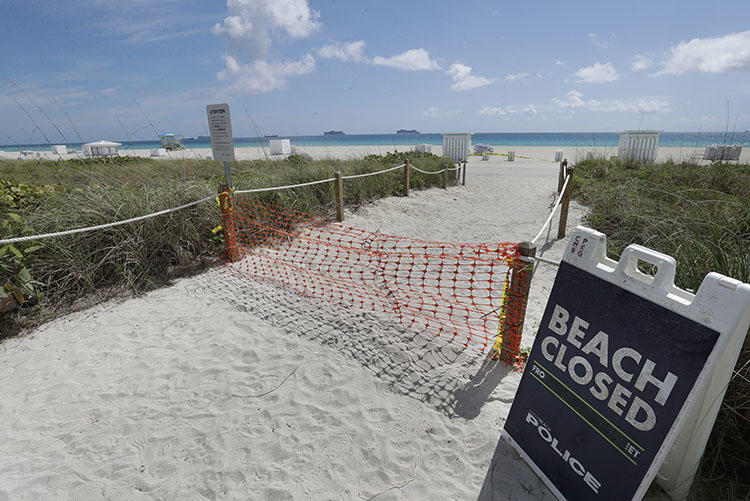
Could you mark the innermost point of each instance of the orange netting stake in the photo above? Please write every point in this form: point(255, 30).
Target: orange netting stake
point(514, 305)
point(453, 290)
point(227, 223)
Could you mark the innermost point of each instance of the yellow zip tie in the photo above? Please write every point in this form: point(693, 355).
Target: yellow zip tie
point(499, 341)
point(218, 200)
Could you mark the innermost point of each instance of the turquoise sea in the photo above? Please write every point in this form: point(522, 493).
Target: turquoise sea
point(581, 139)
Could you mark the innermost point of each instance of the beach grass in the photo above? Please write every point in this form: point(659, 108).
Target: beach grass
point(79, 270)
point(700, 214)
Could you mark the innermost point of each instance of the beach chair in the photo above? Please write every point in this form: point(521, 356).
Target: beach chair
point(722, 152)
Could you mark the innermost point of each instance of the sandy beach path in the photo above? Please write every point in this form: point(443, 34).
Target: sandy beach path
point(222, 388)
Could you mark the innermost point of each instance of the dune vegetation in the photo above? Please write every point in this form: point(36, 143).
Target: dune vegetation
point(42, 279)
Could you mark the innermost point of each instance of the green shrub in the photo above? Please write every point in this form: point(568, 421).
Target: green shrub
point(147, 254)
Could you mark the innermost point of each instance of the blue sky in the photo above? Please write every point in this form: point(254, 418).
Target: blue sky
point(305, 66)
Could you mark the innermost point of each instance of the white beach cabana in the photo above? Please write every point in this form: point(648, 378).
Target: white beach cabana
point(457, 145)
point(280, 146)
point(638, 145)
point(101, 149)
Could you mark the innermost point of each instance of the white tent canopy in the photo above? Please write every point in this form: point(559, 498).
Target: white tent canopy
point(101, 149)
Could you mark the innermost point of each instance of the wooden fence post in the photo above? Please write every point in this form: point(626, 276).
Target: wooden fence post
point(227, 223)
point(463, 174)
point(445, 177)
point(406, 178)
point(565, 203)
point(516, 300)
point(561, 176)
point(339, 189)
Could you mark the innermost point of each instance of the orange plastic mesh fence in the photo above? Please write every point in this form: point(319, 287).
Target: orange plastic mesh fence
point(454, 290)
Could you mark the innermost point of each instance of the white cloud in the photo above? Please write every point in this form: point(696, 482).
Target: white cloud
point(252, 23)
point(559, 63)
point(435, 112)
point(345, 51)
point(500, 111)
point(598, 73)
point(574, 100)
point(263, 76)
point(492, 110)
point(234, 27)
point(516, 76)
point(604, 44)
point(640, 63)
point(710, 55)
point(411, 60)
point(640, 105)
point(463, 79)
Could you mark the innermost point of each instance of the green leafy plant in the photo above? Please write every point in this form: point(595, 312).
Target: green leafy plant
point(16, 279)
point(16, 195)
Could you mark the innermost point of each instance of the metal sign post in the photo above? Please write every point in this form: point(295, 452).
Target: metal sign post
point(624, 367)
point(222, 142)
point(228, 174)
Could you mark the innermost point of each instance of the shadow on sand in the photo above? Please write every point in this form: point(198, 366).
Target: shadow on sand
point(418, 365)
point(509, 477)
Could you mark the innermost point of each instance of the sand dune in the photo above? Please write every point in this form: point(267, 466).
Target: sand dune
point(223, 388)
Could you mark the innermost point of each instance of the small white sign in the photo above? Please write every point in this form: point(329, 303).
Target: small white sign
point(220, 128)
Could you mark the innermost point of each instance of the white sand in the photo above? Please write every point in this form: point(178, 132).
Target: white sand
point(222, 388)
point(542, 153)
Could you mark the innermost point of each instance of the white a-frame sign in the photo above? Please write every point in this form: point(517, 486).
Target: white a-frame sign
point(626, 374)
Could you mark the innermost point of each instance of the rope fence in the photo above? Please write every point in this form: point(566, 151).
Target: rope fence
point(428, 172)
point(474, 294)
point(103, 226)
point(274, 188)
point(356, 176)
point(564, 188)
point(28, 238)
point(554, 209)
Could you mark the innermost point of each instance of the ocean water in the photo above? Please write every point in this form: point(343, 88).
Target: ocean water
point(580, 139)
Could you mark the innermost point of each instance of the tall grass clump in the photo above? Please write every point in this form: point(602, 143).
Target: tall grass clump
point(82, 269)
point(700, 214)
